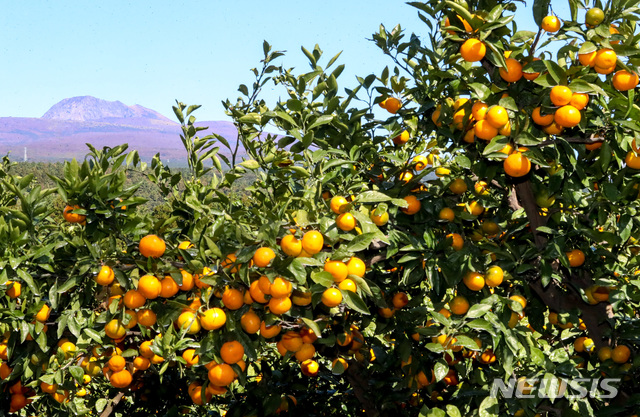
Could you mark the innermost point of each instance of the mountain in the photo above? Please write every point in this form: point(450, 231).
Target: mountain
point(61, 133)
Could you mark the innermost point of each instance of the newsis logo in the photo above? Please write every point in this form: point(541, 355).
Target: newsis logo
point(552, 387)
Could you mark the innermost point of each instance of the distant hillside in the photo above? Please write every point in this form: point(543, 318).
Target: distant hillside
point(61, 133)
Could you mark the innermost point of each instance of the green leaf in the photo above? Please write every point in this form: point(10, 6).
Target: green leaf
point(556, 72)
point(453, 411)
point(323, 278)
point(313, 326)
point(298, 271)
point(372, 197)
point(250, 164)
point(478, 310)
point(354, 302)
point(489, 407)
point(480, 91)
point(440, 369)
point(322, 120)
point(540, 10)
point(26, 277)
point(77, 373)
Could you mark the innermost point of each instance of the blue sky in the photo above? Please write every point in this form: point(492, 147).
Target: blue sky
point(153, 52)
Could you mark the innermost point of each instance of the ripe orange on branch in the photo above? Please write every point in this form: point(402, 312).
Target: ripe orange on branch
point(151, 246)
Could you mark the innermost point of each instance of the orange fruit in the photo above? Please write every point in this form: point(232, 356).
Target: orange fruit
point(605, 58)
point(588, 59)
point(335, 368)
point(134, 299)
point(15, 289)
point(263, 257)
point(280, 287)
point(189, 355)
point(312, 242)
point(560, 95)
point(337, 269)
point(232, 298)
point(420, 162)
point(632, 160)
point(475, 208)
point(348, 285)
point(399, 300)
point(624, 80)
point(497, 116)
point(43, 314)
point(116, 363)
point(465, 24)
point(446, 214)
point(265, 285)
point(291, 245)
point(188, 321)
point(567, 116)
point(187, 281)
point(474, 281)
point(338, 204)
point(149, 286)
point(604, 353)
point(457, 242)
point(494, 276)
point(479, 110)
point(473, 50)
point(169, 288)
point(221, 375)
point(256, 293)
point(621, 354)
point(520, 299)
point(213, 318)
point(145, 349)
point(485, 130)
point(229, 264)
point(517, 165)
point(579, 100)
point(279, 306)
point(553, 129)
point(541, 120)
point(48, 388)
point(346, 222)
point(114, 329)
point(356, 266)
point(392, 105)
point(550, 24)
point(269, 332)
point(121, 379)
point(576, 257)
point(301, 298)
point(133, 319)
point(459, 305)
point(231, 352)
point(513, 71)
point(292, 341)
point(105, 276)
point(605, 71)
point(151, 246)
point(402, 138)
point(435, 116)
point(250, 322)
point(458, 186)
point(146, 317)
point(309, 367)
point(413, 205)
point(470, 136)
point(379, 220)
point(73, 217)
point(331, 297)
point(307, 351)
point(594, 17)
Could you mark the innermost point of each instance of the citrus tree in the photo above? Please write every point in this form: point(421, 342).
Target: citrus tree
point(454, 236)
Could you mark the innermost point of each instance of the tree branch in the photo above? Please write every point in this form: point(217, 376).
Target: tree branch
point(112, 404)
